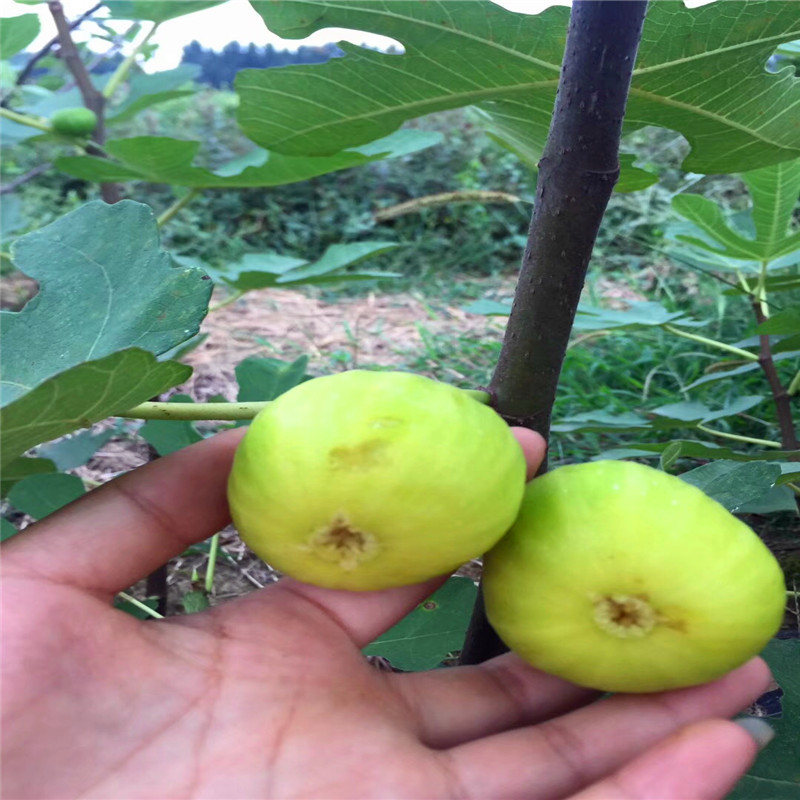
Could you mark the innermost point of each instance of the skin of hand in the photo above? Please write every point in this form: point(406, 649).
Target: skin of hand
point(269, 696)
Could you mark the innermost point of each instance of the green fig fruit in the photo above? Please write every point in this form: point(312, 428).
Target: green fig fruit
point(74, 121)
point(620, 577)
point(368, 480)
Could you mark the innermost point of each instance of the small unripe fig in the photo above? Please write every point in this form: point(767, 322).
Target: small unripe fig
point(620, 577)
point(74, 121)
point(367, 480)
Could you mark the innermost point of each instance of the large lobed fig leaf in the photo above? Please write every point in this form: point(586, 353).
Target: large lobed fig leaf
point(699, 71)
point(105, 285)
point(82, 396)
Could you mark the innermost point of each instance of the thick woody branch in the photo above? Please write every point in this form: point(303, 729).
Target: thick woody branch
point(26, 71)
point(577, 173)
point(92, 98)
point(9, 187)
point(780, 393)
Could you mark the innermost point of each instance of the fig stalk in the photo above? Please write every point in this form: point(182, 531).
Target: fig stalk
point(229, 411)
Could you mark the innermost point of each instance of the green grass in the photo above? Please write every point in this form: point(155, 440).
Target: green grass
point(620, 371)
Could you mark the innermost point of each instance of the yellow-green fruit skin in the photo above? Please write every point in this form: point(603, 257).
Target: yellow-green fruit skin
point(368, 480)
point(622, 578)
point(74, 121)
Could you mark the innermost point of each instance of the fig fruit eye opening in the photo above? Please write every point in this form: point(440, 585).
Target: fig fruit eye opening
point(624, 615)
point(341, 543)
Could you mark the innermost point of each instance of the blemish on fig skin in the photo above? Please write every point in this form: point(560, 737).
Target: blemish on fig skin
point(343, 543)
point(678, 625)
point(366, 455)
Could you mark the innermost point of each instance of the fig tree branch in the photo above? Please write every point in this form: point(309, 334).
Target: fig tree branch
point(577, 173)
point(124, 68)
point(229, 300)
point(745, 354)
point(117, 43)
point(9, 187)
point(737, 438)
point(26, 71)
point(177, 206)
point(92, 98)
point(441, 199)
point(781, 396)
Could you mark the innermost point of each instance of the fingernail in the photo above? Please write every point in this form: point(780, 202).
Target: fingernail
point(760, 730)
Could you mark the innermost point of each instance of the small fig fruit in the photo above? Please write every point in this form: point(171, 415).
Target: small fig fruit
point(367, 480)
point(620, 577)
point(74, 121)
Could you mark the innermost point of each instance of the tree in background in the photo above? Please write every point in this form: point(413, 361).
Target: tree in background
point(218, 69)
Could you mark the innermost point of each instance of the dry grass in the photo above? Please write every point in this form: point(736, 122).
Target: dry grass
point(376, 330)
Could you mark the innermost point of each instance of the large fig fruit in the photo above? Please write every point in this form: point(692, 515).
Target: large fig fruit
point(367, 480)
point(623, 578)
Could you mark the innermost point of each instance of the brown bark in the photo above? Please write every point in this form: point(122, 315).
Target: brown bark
point(780, 393)
point(26, 71)
point(92, 98)
point(577, 173)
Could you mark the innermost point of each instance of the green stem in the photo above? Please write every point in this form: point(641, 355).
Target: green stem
point(194, 411)
point(743, 282)
point(125, 67)
point(24, 119)
point(482, 397)
point(737, 438)
point(761, 290)
point(444, 198)
point(585, 338)
point(140, 605)
point(90, 149)
point(212, 562)
point(176, 207)
point(794, 386)
point(746, 354)
point(231, 298)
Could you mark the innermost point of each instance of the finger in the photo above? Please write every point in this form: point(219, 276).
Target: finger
point(362, 615)
point(459, 705)
point(701, 762)
point(564, 755)
point(115, 535)
point(533, 445)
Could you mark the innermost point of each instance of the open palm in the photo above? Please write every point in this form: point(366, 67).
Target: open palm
point(269, 695)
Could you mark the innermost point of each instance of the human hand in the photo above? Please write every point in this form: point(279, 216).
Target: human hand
point(269, 695)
